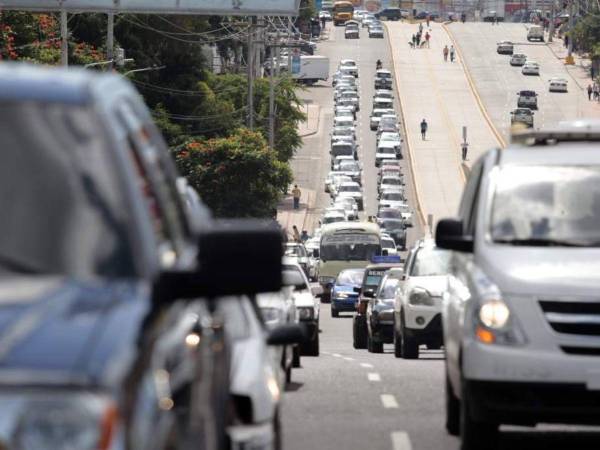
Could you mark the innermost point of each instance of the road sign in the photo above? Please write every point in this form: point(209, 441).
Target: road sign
point(217, 7)
point(296, 63)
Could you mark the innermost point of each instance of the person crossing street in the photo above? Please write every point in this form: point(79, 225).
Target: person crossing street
point(424, 127)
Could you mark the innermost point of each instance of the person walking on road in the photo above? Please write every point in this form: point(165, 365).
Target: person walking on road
point(423, 129)
point(596, 91)
point(446, 51)
point(296, 193)
point(427, 37)
point(418, 39)
point(295, 234)
point(420, 27)
point(414, 40)
point(452, 51)
point(589, 91)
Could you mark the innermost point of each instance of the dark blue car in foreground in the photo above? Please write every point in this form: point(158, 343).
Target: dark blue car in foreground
point(343, 295)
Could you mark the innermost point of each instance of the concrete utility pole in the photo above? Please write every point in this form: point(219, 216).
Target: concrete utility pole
point(569, 59)
point(250, 72)
point(274, 63)
point(64, 35)
point(551, 25)
point(110, 39)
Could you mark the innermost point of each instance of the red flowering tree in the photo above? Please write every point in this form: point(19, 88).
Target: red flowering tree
point(237, 176)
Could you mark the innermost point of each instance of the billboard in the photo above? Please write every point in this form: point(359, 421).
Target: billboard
point(208, 7)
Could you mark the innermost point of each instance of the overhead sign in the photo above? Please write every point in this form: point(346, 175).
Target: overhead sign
point(205, 7)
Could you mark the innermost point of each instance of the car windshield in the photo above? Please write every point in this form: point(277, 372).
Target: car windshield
point(384, 75)
point(392, 196)
point(386, 150)
point(63, 210)
point(350, 247)
point(350, 188)
point(350, 277)
point(388, 243)
point(392, 224)
point(547, 205)
point(388, 290)
point(430, 262)
point(342, 150)
point(392, 181)
point(349, 166)
point(295, 250)
point(332, 219)
point(390, 214)
point(389, 137)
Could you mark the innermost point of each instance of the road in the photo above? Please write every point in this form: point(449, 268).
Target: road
point(352, 399)
point(497, 81)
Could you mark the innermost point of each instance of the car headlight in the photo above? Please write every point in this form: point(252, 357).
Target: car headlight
point(306, 313)
point(496, 325)
point(420, 297)
point(84, 422)
point(341, 295)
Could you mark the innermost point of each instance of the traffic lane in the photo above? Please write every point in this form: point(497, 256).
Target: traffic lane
point(498, 82)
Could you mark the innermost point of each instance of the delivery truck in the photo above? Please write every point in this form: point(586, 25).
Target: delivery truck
point(313, 68)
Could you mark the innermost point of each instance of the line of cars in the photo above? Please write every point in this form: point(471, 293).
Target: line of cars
point(371, 22)
point(527, 98)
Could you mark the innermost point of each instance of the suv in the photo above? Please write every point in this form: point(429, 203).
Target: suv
point(521, 311)
point(527, 99)
point(418, 305)
point(373, 275)
point(103, 274)
point(389, 14)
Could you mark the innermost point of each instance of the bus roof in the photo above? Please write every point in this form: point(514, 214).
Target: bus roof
point(361, 227)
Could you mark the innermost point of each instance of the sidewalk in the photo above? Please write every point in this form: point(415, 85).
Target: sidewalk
point(580, 72)
point(287, 216)
point(311, 125)
point(441, 93)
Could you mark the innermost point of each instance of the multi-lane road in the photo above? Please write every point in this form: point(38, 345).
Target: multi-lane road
point(351, 399)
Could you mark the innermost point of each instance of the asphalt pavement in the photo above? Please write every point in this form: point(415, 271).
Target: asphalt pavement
point(352, 399)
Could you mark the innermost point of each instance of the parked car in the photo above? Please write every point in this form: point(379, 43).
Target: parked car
point(501, 310)
point(343, 296)
point(111, 340)
point(389, 14)
point(418, 304)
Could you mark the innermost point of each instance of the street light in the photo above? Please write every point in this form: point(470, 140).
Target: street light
point(145, 69)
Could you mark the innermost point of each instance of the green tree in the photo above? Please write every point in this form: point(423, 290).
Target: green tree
point(586, 34)
point(237, 176)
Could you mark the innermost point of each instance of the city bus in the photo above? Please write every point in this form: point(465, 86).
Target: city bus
point(346, 245)
point(342, 11)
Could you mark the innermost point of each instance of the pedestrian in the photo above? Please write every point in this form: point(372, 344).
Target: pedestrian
point(427, 37)
point(596, 90)
point(304, 236)
point(590, 89)
point(296, 193)
point(414, 40)
point(323, 23)
point(428, 19)
point(446, 51)
point(423, 129)
point(452, 53)
point(418, 39)
point(295, 234)
point(420, 27)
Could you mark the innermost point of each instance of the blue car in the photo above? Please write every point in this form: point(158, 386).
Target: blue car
point(343, 296)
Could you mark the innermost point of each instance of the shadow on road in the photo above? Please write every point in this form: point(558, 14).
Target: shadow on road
point(545, 440)
point(293, 386)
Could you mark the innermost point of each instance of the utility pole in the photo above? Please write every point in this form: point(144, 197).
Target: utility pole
point(272, 94)
point(250, 71)
point(110, 39)
point(64, 36)
point(569, 59)
point(551, 26)
point(289, 50)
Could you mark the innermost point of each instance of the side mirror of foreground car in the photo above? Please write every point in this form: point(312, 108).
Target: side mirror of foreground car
point(449, 235)
point(286, 335)
point(235, 257)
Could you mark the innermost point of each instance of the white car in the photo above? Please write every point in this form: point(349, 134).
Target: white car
point(351, 169)
point(307, 305)
point(367, 20)
point(388, 244)
point(376, 117)
point(383, 93)
point(523, 116)
point(337, 182)
point(392, 198)
point(518, 59)
point(418, 303)
point(325, 15)
point(349, 205)
point(385, 150)
point(343, 121)
point(505, 47)
point(530, 68)
point(392, 137)
point(297, 252)
point(352, 189)
point(348, 98)
point(333, 217)
point(343, 133)
point(350, 66)
point(376, 32)
point(557, 84)
point(390, 182)
point(311, 245)
point(383, 103)
point(338, 160)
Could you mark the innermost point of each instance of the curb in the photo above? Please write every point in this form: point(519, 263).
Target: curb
point(419, 205)
point(486, 116)
point(316, 130)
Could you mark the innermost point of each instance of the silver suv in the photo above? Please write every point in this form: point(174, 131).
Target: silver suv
point(521, 318)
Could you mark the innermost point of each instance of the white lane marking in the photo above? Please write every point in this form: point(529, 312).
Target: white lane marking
point(349, 359)
point(389, 401)
point(367, 365)
point(372, 376)
point(401, 441)
point(337, 355)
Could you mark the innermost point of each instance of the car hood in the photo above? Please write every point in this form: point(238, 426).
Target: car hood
point(543, 271)
point(69, 330)
point(435, 285)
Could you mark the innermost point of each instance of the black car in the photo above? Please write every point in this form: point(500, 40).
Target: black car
point(389, 14)
point(380, 312)
point(396, 228)
point(108, 341)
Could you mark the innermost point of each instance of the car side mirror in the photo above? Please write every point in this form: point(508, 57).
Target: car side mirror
point(449, 235)
point(286, 335)
point(223, 243)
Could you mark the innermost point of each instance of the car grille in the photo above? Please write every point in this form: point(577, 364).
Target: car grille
point(572, 317)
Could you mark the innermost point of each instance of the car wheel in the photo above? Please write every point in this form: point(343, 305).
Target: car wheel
point(296, 357)
point(277, 438)
point(452, 410)
point(374, 346)
point(335, 313)
point(410, 348)
point(475, 435)
point(313, 346)
point(288, 375)
point(397, 345)
point(359, 333)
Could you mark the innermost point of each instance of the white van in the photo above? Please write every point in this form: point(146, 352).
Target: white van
point(535, 33)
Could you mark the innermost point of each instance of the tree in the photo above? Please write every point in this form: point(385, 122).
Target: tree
point(586, 34)
point(237, 176)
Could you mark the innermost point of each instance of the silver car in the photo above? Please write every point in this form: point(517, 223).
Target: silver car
point(521, 312)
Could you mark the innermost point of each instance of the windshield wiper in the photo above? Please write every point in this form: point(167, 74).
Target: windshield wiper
point(541, 242)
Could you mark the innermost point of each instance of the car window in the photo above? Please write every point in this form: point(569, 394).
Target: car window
point(468, 199)
point(62, 203)
point(430, 262)
point(388, 288)
point(351, 277)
